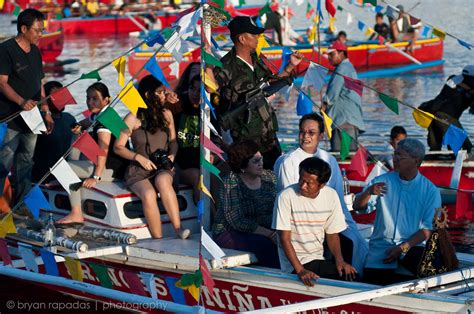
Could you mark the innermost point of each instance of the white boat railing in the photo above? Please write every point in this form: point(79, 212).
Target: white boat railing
point(414, 286)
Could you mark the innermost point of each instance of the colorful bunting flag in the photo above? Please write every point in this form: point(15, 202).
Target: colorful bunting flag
point(265, 9)
point(327, 124)
point(210, 167)
point(390, 102)
point(346, 141)
point(211, 246)
point(320, 12)
point(7, 225)
point(349, 19)
point(74, 268)
point(61, 98)
point(210, 59)
point(330, 8)
point(49, 262)
point(285, 58)
point(377, 170)
point(354, 85)
point(207, 143)
point(86, 144)
point(378, 9)
point(209, 82)
point(191, 283)
point(426, 31)
point(91, 75)
point(16, 11)
point(3, 131)
point(174, 67)
point(102, 274)
point(112, 121)
point(414, 20)
point(177, 294)
point(221, 37)
point(134, 282)
point(195, 55)
point(422, 118)
point(64, 174)
point(359, 162)
point(304, 105)
point(4, 254)
point(332, 28)
point(369, 31)
point(454, 137)
point(465, 44)
point(155, 38)
point(439, 33)
point(200, 210)
point(119, 65)
point(262, 43)
point(2, 3)
point(206, 275)
point(309, 11)
point(131, 98)
point(372, 2)
point(149, 280)
point(206, 100)
point(28, 257)
point(361, 25)
point(155, 70)
point(35, 200)
point(339, 8)
point(203, 187)
point(34, 120)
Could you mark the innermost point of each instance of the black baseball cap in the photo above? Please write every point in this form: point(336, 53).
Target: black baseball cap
point(243, 24)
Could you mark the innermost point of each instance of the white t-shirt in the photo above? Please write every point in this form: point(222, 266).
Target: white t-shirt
point(309, 219)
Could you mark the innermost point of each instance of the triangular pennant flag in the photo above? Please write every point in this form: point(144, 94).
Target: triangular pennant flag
point(369, 31)
point(320, 12)
point(174, 67)
point(465, 44)
point(211, 246)
point(149, 280)
point(131, 98)
point(207, 143)
point(339, 8)
point(112, 121)
point(155, 38)
point(210, 59)
point(211, 168)
point(7, 225)
point(314, 76)
point(422, 118)
point(119, 65)
point(262, 43)
point(64, 174)
point(177, 294)
point(2, 3)
point(35, 200)
point(209, 82)
point(390, 102)
point(439, 33)
point(327, 124)
point(361, 25)
point(155, 70)
point(377, 170)
point(349, 18)
point(206, 275)
point(426, 31)
point(4, 254)
point(86, 144)
point(3, 131)
point(212, 128)
point(61, 98)
point(354, 85)
point(285, 58)
point(309, 11)
point(359, 162)
point(86, 113)
point(194, 291)
point(454, 137)
point(372, 2)
point(414, 20)
point(74, 268)
point(206, 100)
point(49, 262)
point(378, 9)
point(346, 141)
point(265, 9)
point(91, 75)
point(200, 210)
point(304, 105)
point(332, 28)
point(34, 120)
point(195, 55)
point(286, 91)
point(16, 11)
point(134, 282)
point(28, 257)
point(203, 187)
point(221, 37)
point(102, 274)
point(330, 8)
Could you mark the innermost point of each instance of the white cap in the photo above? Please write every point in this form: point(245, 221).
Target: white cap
point(458, 79)
point(468, 70)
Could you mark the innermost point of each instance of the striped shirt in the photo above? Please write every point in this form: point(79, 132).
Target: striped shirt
point(308, 219)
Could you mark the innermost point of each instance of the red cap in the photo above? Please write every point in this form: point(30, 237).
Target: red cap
point(337, 45)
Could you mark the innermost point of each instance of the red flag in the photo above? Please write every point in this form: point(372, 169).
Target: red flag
point(414, 20)
point(185, 12)
point(196, 54)
point(330, 8)
point(134, 283)
point(86, 113)
point(4, 254)
point(86, 144)
point(206, 276)
point(381, 40)
point(207, 143)
point(359, 162)
point(62, 97)
point(353, 84)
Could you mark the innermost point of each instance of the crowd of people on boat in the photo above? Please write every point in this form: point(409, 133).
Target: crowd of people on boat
point(288, 209)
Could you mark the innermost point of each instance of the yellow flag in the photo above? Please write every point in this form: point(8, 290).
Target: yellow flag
point(203, 188)
point(119, 65)
point(218, 37)
point(209, 82)
point(332, 28)
point(262, 43)
point(194, 291)
point(327, 124)
point(369, 31)
point(2, 3)
point(316, 19)
point(7, 225)
point(312, 34)
point(439, 33)
point(131, 98)
point(74, 268)
point(422, 118)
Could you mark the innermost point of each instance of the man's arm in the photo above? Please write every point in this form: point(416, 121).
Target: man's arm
point(334, 244)
point(394, 252)
point(362, 199)
point(295, 59)
point(9, 92)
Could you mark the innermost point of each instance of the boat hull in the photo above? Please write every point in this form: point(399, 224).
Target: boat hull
point(51, 46)
point(115, 24)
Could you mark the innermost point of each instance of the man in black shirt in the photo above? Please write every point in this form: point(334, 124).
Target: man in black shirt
point(380, 28)
point(21, 72)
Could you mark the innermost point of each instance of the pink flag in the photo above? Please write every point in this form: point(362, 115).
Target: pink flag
point(359, 162)
point(86, 113)
point(414, 20)
point(86, 144)
point(62, 97)
point(4, 254)
point(134, 282)
point(206, 276)
point(207, 143)
point(353, 84)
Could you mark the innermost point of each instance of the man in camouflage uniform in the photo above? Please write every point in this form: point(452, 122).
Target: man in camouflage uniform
point(242, 72)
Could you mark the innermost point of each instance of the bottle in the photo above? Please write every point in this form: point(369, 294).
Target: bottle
point(345, 183)
point(50, 233)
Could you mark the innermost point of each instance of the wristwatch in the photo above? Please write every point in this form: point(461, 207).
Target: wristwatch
point(97, 178)
point(46, 113)
point(405, 247)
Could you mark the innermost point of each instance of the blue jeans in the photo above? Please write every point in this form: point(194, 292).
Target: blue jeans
point(17, 151)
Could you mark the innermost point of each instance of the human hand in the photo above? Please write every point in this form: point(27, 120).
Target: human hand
point(146, 163)
point(89, 183)
point(306, 276)
point(76, 129)
point(28, 104)
point(378, 189)
point(172, 97)
point(346, 269)
point(392, 254)
point(49, 121)
point(296, 58)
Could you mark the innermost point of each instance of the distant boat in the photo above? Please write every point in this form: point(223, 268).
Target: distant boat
point(51, 46)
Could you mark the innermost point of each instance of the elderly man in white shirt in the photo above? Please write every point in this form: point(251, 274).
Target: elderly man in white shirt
point(286, 169)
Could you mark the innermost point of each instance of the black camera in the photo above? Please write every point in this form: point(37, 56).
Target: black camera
point(161, 160)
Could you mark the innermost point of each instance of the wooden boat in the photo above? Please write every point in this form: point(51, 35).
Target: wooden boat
point(364, 57)
point(51, 46)
point(238, 286)
point(110, 24)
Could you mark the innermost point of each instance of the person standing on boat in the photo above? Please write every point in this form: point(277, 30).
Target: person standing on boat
point(456, 96)
point(405, 203)
point(21, 72)
point(306, 214)
point(380, 28)
point(242, 72)
point(342, 104)
point(311, 132)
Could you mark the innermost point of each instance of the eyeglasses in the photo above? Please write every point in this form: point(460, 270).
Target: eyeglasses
point(257, 160)
point(39, 30)
point(311, 133)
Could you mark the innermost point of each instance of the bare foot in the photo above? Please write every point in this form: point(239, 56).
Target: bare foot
point(71, 218)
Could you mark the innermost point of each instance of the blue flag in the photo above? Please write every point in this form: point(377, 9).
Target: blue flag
point(3, 131)
point(454, 137)
point(320, 12)
point(258, 21)
point(361, 25)
point(49, 262)
point(378, 9)
point(465, 44)
point(153, 39)
point(177, 294)
point(285, 58)
point(155, 70)
point(35, 200)
point(206, 101)
point(426, 31)
point(200, 209)
point(304, 105)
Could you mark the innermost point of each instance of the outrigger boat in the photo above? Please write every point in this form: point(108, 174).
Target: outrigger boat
point(51, 46)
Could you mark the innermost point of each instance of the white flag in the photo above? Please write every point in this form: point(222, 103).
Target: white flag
point(378, 170)
point(174, 67)
point(34, 120)
point(349, 18)
point(211, 246)
point(64, 174)
point(314, 76)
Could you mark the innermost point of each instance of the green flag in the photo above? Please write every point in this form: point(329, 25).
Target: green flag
point(372, 2)
point(265, 9)
point(220, 3)
point(59, 16)
point(91, 75)
point(101, 272)
point(224, 12)
point(339, 8)
point(166, 32)
point(346, 141)
point(241, 3)
point(210, 59)
point(210, 167)
point(112, 121)
point(16, 11)
point(390, 102)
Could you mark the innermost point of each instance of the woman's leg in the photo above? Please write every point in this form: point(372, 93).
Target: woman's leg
point(190, 176)
point(145, 191)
